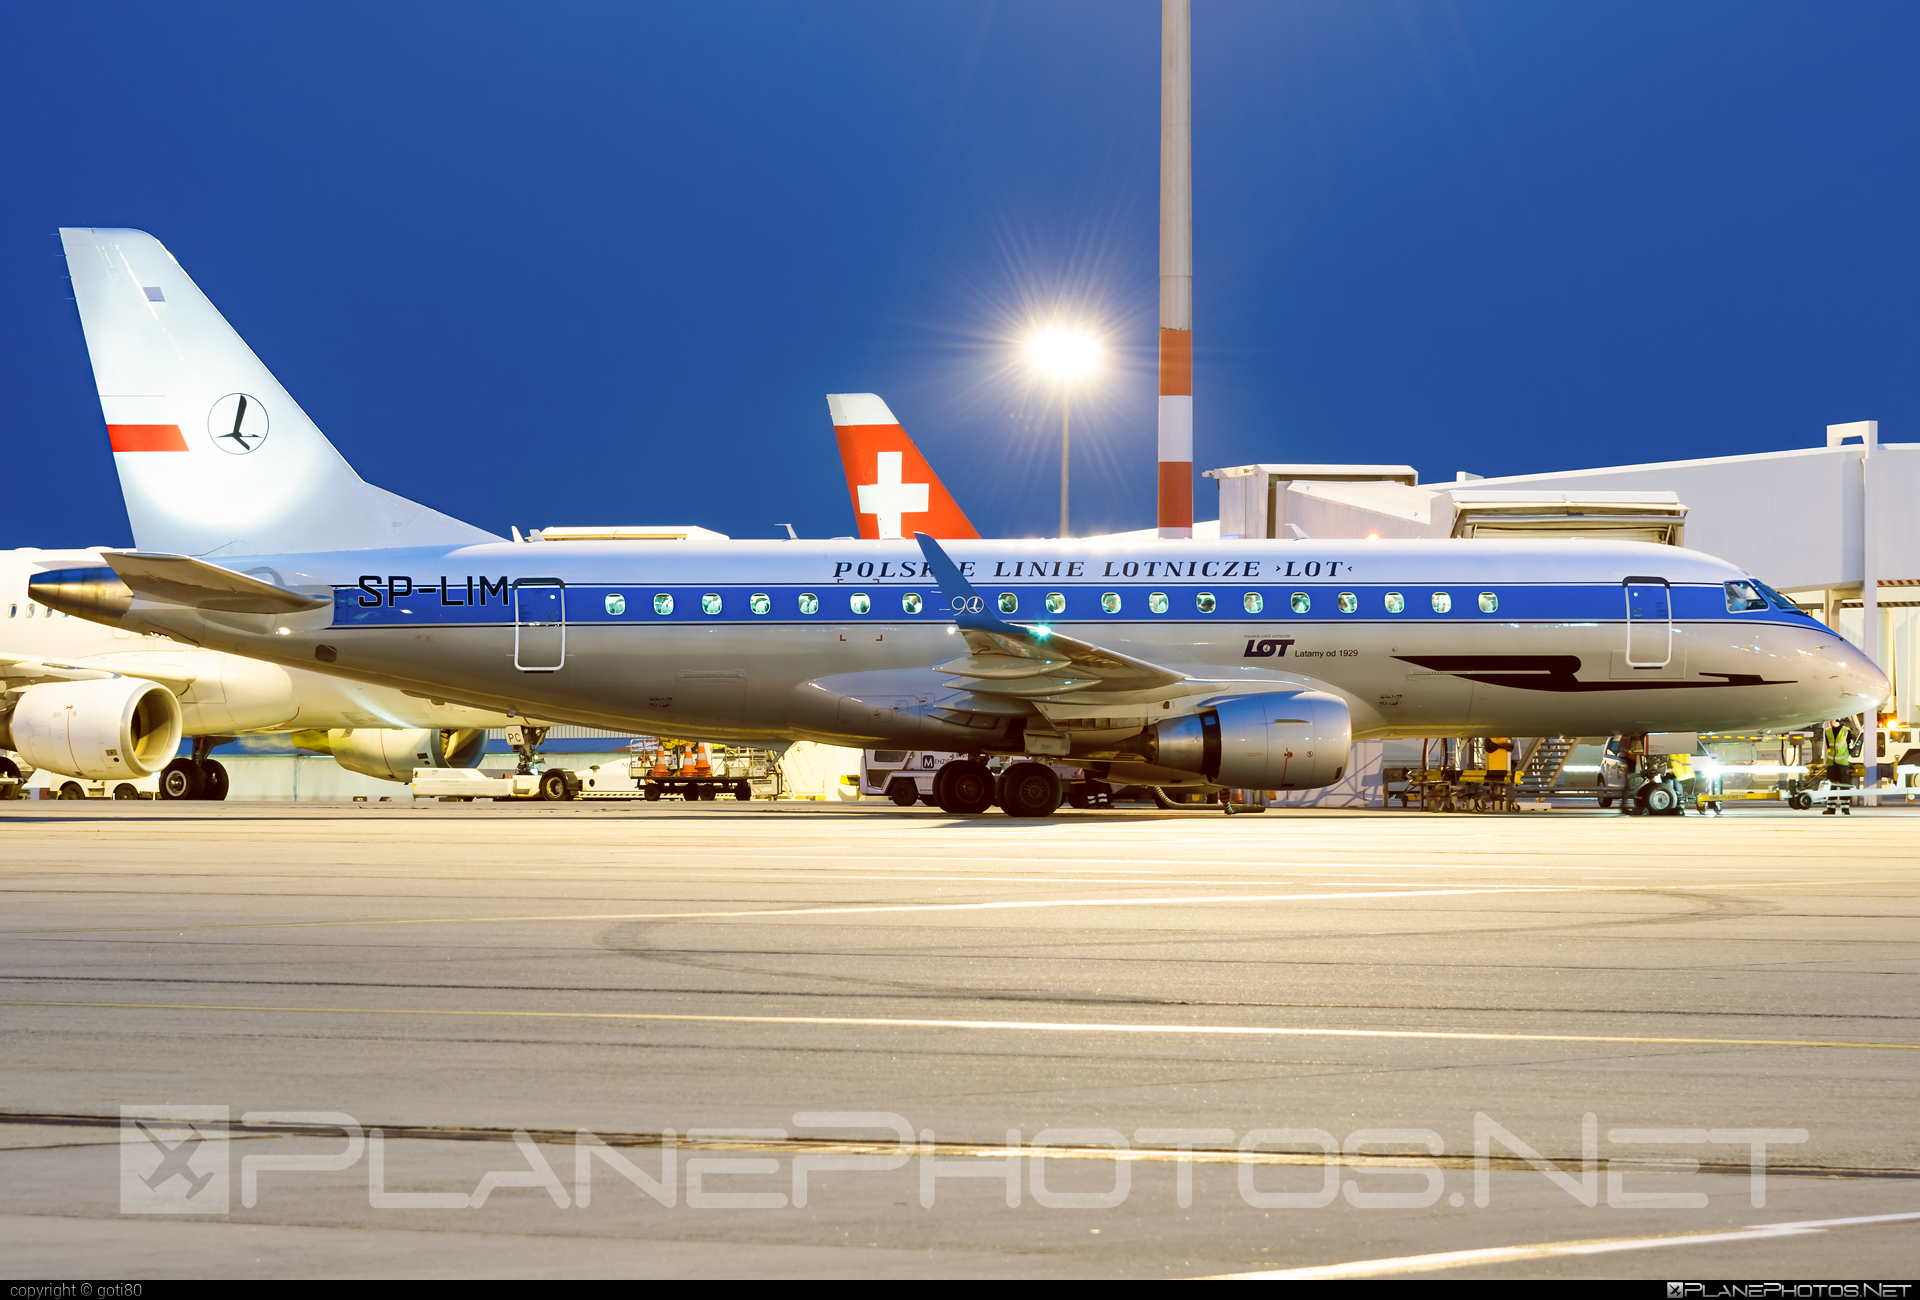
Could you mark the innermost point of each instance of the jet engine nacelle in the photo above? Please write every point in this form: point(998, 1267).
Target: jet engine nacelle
point(1287, 740)
point(113, 727)
point(392, 754)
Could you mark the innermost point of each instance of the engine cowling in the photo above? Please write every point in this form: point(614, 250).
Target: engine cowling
point(1286, 740)
point(392, 754)
point(96, 730)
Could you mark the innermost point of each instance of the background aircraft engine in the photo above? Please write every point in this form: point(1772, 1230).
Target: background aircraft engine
point(97, 730)
point(392, 754)
point(1288, 740)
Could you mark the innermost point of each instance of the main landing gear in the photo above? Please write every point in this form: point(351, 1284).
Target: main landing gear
point(1025, 789)
point(199, 777)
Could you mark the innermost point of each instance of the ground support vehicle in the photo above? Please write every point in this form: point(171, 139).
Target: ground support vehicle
point(464, 784)
point(695, 775)
point(905, 776)
point(16, 776)
point(1828, 796)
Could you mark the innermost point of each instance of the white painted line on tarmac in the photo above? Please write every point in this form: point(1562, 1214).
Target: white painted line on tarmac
point(1025, 1026)
point(1547, 1250)
point(863, 909)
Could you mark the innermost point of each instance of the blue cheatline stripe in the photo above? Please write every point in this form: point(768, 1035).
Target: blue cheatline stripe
point(599, 604)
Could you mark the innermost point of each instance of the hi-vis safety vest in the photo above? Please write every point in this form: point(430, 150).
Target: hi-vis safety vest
point(1839, 742)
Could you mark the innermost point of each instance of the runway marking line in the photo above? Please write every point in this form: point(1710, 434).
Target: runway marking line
point(1034, 1026)
point(1549, 1249)
point(1007, 905)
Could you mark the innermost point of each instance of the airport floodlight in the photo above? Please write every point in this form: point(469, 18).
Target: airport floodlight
point(1064, 354)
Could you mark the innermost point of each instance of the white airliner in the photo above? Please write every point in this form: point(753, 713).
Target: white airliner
point(111, 705)
point(1248, 664)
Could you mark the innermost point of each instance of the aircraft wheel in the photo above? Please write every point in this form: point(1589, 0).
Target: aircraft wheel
point(904, 793)
point(1029, 790)
point(182, 779)
point(216, 780)
point(743, 791)
point(968, 787)
point(73, 790)
point(126, 790)
point(553, 786)
point(1659, 799)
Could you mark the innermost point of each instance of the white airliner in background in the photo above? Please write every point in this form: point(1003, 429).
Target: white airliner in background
point(1247, 664)
point(106, 704)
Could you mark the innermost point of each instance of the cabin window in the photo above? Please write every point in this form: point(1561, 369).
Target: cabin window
point(1110, 602)
point(809, 603)
point(1442, 602)
point(710, 603)
point(29, 609)
point(1157, 602)
point(1347, 601)
point(616, 604)
point(1743, 596)
point(910, 602)
point(1009, 603)
point(760, 602)
point(1204, 602)
point(861, 602)
point(1252, 603)
point(1489, 603)
point(1396, 603)
point(1056, 602)
point(663, 603)
point(13, 611)
point(1300, 602)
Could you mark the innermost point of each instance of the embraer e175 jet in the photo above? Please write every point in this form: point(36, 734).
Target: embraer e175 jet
point(1237, 664)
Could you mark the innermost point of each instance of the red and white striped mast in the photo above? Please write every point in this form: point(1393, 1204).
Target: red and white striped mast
point(1176, 269)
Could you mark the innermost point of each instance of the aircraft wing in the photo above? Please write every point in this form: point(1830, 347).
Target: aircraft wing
point(183, 580)
point(30, 670)
point(1031, 661)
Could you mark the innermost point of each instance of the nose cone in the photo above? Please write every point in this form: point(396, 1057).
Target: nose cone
point(96, 594)
point(1863, 688)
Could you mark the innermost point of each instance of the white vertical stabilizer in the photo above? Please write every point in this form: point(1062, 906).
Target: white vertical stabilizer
point(215, 457)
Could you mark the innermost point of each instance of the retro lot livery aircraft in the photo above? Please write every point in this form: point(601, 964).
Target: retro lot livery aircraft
point(1239, 664)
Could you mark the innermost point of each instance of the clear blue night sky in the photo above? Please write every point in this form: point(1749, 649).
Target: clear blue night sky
point(570, 263)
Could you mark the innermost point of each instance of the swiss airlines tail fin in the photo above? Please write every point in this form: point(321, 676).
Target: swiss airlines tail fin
point(895, 492)
point(215, 458)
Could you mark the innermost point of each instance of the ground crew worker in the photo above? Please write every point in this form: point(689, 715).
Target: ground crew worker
point(1839, 740)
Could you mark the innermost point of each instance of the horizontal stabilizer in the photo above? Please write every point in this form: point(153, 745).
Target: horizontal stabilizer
point(183, 580)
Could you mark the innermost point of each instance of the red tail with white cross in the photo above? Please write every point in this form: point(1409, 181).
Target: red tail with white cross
point(895, 492)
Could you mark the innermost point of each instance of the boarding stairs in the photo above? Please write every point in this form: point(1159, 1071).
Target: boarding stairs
point(1540, 770)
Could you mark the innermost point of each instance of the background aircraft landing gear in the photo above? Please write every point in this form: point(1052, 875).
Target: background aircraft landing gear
point(182, 779)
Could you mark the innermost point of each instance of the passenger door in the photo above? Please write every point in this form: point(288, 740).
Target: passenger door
point(539, 625)
point(1649, 622)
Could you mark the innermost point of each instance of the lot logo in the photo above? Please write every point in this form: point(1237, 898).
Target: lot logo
point(167, 1163)
point(1268, 648)
point(237, 424)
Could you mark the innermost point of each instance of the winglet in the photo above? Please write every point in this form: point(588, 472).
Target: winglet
point(969, 607)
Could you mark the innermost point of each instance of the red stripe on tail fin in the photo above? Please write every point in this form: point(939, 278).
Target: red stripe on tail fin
point(146, 437)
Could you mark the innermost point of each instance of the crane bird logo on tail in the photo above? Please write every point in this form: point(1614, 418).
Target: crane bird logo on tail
point(237, 424)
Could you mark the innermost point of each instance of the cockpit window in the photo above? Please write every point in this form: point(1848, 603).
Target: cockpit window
point(1743, 596)
point(1779, 601)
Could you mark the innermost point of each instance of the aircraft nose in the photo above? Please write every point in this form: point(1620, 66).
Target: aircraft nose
point(1863, 687)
